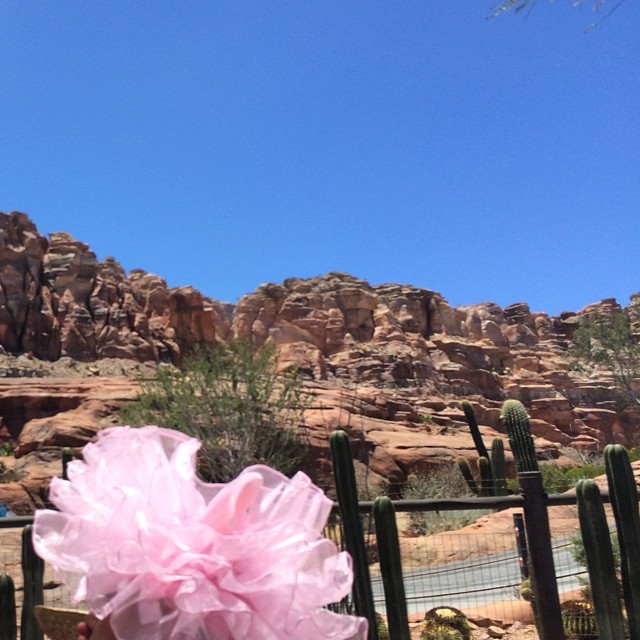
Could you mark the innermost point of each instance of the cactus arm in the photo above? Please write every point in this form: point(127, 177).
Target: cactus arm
point(498, 467)
point(624, 500)
point(463, 465)
point(600, 564)
point(391, 568)
point(475, 431)
point(486, 481)
point(347, 493)
point(514, 417)
point(8, 624)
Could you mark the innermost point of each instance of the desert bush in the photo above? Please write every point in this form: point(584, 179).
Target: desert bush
point(525, 590)
point(579, 555)
point(383, 628)
point(7, 449)
point(232, 400)
point(609, 341)
point(557, 479)
point(443, 482)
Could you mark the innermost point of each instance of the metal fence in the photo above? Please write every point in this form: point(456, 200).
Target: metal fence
point(55, 593)
point(478, 568)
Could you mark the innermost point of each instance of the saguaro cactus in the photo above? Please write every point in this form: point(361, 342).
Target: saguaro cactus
point(33, 574)
point(473, 427)
point(515, 419)
point(492, 468)
point(486, 479)
point(600, 563)
point(463, 465)
point(8, 625)
point(391, 568)
point(347, 492)
point(623, 494)
point(498, 467)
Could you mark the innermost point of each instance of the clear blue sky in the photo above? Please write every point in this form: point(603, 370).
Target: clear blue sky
point(224, 144)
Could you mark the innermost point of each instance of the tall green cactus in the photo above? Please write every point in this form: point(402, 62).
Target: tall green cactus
point(67, 457)
point(515, 419)
point(493, 479)
point(486, 479)
point(498, 468)
point(33, 575)
point(347, 493)
point(8, 625)
point(600, 563)
point(475, 431)
point(465, 469)
point(623, 494)
point(391, 568)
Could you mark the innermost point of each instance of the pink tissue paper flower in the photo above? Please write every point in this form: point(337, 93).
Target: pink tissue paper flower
point(141, 539)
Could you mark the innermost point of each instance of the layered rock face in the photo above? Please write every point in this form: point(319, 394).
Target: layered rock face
point(389, 363)
point(394, 361)
point(57, 299)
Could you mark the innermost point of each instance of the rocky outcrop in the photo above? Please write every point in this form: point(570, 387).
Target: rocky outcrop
point(57, 299)
point(45, 414)
point(389, 363)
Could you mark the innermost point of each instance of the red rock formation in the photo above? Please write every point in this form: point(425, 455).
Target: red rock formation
point(389, 363)
point(57, 299)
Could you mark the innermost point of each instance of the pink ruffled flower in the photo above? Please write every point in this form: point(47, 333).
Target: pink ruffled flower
point(141, 539)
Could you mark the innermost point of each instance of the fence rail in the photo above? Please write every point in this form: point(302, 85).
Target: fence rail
point(459, 504)
point(470, 579)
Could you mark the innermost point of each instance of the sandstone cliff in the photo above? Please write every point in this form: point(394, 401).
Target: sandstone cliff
point(388, 362)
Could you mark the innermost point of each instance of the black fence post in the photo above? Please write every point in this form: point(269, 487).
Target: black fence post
point(543, 573)
point(521, 544)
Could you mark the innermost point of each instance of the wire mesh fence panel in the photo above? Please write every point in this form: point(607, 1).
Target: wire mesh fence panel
point(480, 568)
point(11, 554)
point(55, 593)
point(477, 568)
point(479, 578)
point(578, 614)
point(571, 573)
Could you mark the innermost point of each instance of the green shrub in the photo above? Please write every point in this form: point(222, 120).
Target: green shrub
point(558, 479)
point(383, 629)
point(7, 449)
point(441, 483)
point(526, 590)
point(578, 553)
point(234, 402)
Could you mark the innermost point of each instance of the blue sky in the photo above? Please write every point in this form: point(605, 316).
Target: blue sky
point(225, 144)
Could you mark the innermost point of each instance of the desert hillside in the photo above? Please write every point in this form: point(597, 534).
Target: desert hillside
point(389, 363)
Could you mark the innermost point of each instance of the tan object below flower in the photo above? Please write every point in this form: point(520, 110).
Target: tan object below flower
point(57, 623)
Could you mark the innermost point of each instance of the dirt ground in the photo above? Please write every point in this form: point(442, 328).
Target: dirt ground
point(29, 367)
